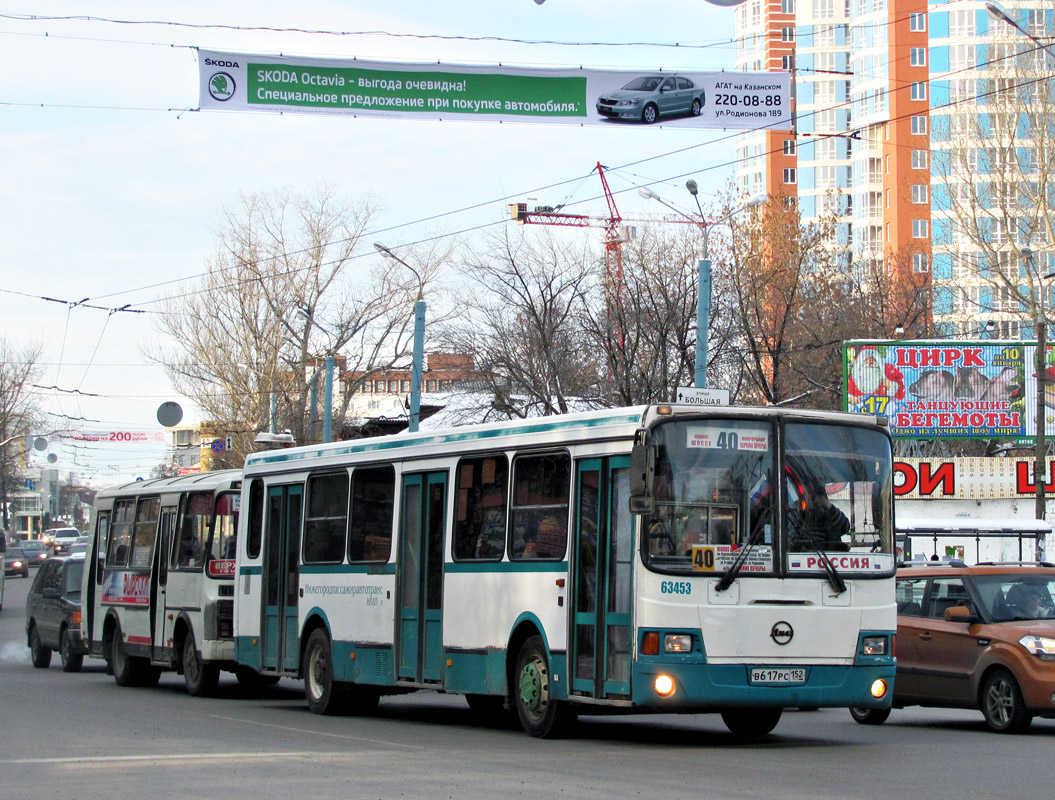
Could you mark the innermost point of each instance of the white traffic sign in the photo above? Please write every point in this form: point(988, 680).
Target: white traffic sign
point(691, 396)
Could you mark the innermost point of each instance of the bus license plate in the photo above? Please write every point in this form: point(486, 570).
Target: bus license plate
point(768, 675)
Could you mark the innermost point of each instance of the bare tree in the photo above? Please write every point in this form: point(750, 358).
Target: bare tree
point(993, 208)
point(286, 289)
point(790, 299)
point(523, 323)
point(646, 327)
point(18, 370)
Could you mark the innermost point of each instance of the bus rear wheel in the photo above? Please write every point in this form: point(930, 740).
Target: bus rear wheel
point(751, 723)
point(131, 670)
point(540, 714)
point(323, 693)
point(201, 678)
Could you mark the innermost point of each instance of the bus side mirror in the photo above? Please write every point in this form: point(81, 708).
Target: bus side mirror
point(642, 472)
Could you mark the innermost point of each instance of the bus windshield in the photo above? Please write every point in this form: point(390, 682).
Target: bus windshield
point(713, 496)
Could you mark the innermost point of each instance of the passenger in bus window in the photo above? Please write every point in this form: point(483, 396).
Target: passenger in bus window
point(820, 526)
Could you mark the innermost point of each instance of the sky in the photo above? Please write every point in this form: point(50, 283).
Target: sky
point(112, 183)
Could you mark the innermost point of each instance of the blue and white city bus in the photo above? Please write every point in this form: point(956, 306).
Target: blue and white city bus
point(660, 558)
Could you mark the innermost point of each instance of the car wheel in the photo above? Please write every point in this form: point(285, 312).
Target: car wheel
point(40, 654)
point(1002, 704)
point(540, 714)
point(649, 114)
point(201, 678)
point(323, 693)
point(751, 723)
point(71, 662)
point(697, 107)
point(869, 716)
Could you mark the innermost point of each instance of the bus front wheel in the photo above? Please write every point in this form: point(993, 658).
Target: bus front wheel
point(751, 722)
point(324, 694)
point(540, 714)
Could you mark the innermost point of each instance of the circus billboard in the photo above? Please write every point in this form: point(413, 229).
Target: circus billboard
point(943, 389)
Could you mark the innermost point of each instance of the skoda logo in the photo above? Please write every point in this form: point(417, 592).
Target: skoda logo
point(782, 633)
point(221, 86)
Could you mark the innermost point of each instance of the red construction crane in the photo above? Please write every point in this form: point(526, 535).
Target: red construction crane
point(615, 233)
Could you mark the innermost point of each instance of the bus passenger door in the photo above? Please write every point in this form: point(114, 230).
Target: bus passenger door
point(600, 642)
point(420, 620)
point(281, 650)
point(161, 626)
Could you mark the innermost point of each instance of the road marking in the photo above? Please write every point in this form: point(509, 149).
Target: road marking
point(313, 732)
point(171, 757)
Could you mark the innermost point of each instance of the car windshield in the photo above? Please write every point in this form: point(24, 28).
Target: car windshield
point(646, 84)
point(13, 552)
point(32, 547)
point(1007, 598)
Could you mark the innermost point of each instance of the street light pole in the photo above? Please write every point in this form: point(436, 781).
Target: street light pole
point(703, 270)
point(418, 356)
point(997, 11)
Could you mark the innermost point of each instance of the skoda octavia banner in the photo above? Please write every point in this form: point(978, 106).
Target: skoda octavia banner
point(946, 389)
point(736, 100)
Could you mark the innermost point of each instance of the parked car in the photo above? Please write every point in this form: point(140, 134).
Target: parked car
point(15, 562)
point(62, 538)
point(649, 97)
point(976, 637)
point(53, 614)
point(35, 551)
point(77, 550)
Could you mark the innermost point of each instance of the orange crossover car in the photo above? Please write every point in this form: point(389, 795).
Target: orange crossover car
point(979, 636)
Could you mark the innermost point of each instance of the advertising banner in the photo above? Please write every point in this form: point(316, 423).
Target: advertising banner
point(969, 478)
point(115, 437)
point(348, 87)
point(943, 389)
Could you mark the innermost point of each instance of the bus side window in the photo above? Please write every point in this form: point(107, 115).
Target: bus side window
point(480, 510)
point(255, 527)
point(541, 488)
point(373, 506)
point(121, 533)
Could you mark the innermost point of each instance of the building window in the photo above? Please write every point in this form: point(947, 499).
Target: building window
point(919, 124)
point(917, 56)
point(918, 90)
point(917, 21)
point(789, 147)
point(920, 228)
point(920, 262)
point(919, 193)
point(824, 9)
point(919, 159)
point(789, 175)
point(787, 61)
point(961, 23)
point(787, 33)
point(787, 6)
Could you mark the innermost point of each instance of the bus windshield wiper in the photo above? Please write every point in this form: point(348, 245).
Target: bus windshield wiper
point(734, 569)
point(834, 578)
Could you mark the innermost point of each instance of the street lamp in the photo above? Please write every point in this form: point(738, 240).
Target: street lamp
point(997, 11)
point(703, 301)
point(419, 341)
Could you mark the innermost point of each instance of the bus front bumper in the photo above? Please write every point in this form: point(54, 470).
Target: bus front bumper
point(702, 687)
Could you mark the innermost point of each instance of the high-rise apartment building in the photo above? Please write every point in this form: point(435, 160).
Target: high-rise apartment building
point(884, 91)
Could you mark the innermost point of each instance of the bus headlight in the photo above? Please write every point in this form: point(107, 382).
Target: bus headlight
point(879, 688)
point(664, 685)
point(874, 646)
point(677, 643)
